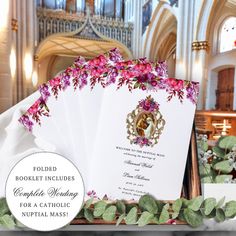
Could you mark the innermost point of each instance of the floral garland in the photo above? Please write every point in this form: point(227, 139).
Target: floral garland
point(33, 114)
point(146, 211)
point(101, 70)
point(109, 69)
point(174, 87)
point(77, 74)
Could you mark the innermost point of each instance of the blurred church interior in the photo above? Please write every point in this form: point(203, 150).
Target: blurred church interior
point(40, 38)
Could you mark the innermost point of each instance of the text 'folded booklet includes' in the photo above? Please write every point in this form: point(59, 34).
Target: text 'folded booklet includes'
point(124, 124)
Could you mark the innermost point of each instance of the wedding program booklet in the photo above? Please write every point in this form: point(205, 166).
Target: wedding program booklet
point(143, 139)
point(129, 135)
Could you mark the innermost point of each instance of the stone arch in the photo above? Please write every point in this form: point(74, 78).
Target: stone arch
point(163, 23)
point(208, 10)
point(211, 17)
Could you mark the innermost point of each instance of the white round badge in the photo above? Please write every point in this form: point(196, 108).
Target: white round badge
point(44, 191)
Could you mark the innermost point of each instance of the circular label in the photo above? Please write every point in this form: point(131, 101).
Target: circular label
point(44, 191)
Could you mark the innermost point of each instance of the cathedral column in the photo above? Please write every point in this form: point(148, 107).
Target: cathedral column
point(184, 39)
point(25, 41)
point(135, 7)
point(199, 70)
point(5, 48)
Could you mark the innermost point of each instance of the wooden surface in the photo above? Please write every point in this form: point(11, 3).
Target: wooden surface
point(102, 222)
point(206, 119)
point(225, 89)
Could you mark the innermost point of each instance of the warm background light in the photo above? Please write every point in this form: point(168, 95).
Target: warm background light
point(34, 78)
point(28, 66)
point(4, 14)
point(13, 62)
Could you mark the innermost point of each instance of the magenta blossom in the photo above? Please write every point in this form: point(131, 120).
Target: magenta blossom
point(55, 82)
point(91, 194)
point(149, 104)
point(25, 120)
point(35, 107)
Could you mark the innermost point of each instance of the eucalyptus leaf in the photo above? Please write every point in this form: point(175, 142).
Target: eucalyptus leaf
point(220, 179)
point(220, 202)
point(177, 206)
point(131, 217)
point(7, 222)
point(160, 205)
point(193, 218)
point(164, 216)
point(88, 214)
point(88, 202)
point(223, 166)
point(185, 202)
point(109, 214)
point(148, 203)
point(196, 203)
point(145, 218)
point(3, 207)
point(227, 142)
point(204, 146)
point(174, 215)
point(120, 207)
point(218, 151)
point(129, 207)
point(204, 169)
point(211, 215)
point(207, 180)
point(181, 215)
point(220, 215)
point(80, 214)
point(155, 220)
point(121, 217)
point(230, 209)
point(209, 205)
point(99, 208)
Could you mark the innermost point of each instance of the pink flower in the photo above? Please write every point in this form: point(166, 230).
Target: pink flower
point(147, 68)
point(55, 82)
point(154, 83)
point(143, 87)
point(96, 72)
point(34, 108)
point(144, 68)
point(98, 61)
point(175, 84)
point(102, 60)
point(25, 120)
point(92, 194)
point(126, 74)
point(171, 222)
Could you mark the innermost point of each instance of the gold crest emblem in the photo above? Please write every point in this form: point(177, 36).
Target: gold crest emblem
point(145, 124)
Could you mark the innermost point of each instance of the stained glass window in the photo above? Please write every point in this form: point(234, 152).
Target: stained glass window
point(228, 35)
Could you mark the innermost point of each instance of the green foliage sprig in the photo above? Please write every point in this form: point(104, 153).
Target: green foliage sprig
point(217, 164)
point(151, 211)
point(147, 210)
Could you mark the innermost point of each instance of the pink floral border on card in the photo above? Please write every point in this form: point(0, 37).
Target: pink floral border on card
point(109, 69)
